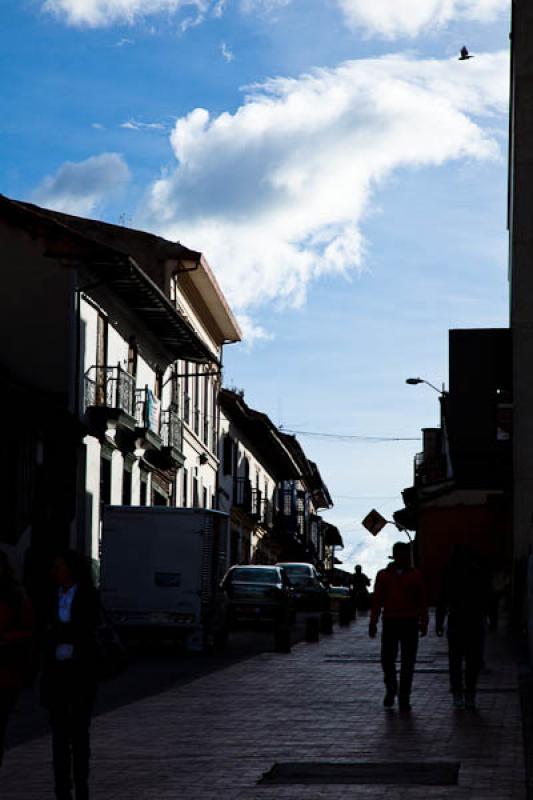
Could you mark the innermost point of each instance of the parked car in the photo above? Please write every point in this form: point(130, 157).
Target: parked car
point(257, 595)
point(310, 591)
point(341, 603)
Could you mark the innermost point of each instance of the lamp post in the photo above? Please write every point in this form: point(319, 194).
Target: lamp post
point(416, 381)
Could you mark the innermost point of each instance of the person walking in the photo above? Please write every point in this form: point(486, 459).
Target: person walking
point(465, 598)
point(359, 583)
point(400, 596)
point(69, 676)
point(16, 640)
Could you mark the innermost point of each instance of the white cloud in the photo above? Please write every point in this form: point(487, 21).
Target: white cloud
point(81, 187)
point(276, 192)
point(219, 8)
point(135, 125)
point(251, 331)
point(392, 18)
point(97, 126)
point(263, 5)
point(96, 13)
point(124, 42)
point(227, 53)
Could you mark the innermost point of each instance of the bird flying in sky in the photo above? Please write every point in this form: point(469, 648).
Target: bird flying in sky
point(464, 54)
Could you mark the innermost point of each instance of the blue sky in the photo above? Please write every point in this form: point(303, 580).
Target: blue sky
point(343, 172)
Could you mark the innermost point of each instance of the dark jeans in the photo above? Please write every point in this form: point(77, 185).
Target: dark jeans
point(399, 633)
point(465, 650)
point(8, 699)
point(70, 698)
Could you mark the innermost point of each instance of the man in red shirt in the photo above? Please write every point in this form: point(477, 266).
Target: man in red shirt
point(400, 592)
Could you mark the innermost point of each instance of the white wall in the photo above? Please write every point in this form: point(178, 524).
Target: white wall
point(92, 487)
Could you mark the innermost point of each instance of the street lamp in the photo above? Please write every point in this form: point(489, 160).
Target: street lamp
point(416, 381)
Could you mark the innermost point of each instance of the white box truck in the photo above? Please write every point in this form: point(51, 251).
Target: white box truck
point(161, 569)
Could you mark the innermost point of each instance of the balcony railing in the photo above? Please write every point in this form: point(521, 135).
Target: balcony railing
point(147, 410)
point(287, 515)
point(256, 505)
point(242, 494)
point(430, 469)
point(109, 387)
point(267, 514)
point(172, 430)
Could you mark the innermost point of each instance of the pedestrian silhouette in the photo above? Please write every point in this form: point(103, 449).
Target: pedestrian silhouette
point(400, 595)
point(359, 583)
point(16, 643)
point(465, 598)
point(69, 673)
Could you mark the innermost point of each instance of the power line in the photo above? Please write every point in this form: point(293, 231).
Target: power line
point(352, 436)
point(366, 497)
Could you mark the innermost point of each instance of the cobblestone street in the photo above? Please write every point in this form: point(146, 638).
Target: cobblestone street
point(217, 736)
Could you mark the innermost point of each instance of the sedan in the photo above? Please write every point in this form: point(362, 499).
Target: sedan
point(259, 594)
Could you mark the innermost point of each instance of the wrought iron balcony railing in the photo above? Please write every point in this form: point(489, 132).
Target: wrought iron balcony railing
point(242, 494)
point(110, 387)
point(256, 505)
point(430, 469)
point(147, 410)
point(172, 430)
point(267, 514)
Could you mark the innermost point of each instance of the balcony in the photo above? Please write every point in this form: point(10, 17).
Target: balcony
point(109, 398)
point(256, 505)
point(242, 494)
point(267, 514)
point(287, 516)
point(430, 470)
point(148, 419)
point(170, 455)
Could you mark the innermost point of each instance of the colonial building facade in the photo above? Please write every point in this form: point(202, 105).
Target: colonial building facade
point(120, 334)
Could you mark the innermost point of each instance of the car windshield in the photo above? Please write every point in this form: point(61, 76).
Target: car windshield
point(255, 576)
point(298, 571)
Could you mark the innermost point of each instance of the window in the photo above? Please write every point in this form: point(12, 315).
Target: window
point(227, 455)
point(158, 385)
point(144, 489)
point(186, 395)
point(204, 498)
point(126, 487)
point(101, 360)
point(132, 356)
point(158, 498)
point(185, 488)
point(206, 408)
point(105, 481)
point(195, 491)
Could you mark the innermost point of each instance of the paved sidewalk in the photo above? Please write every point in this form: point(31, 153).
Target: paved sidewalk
point(215, 737)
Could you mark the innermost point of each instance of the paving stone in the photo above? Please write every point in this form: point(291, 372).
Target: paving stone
point(215, 737)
